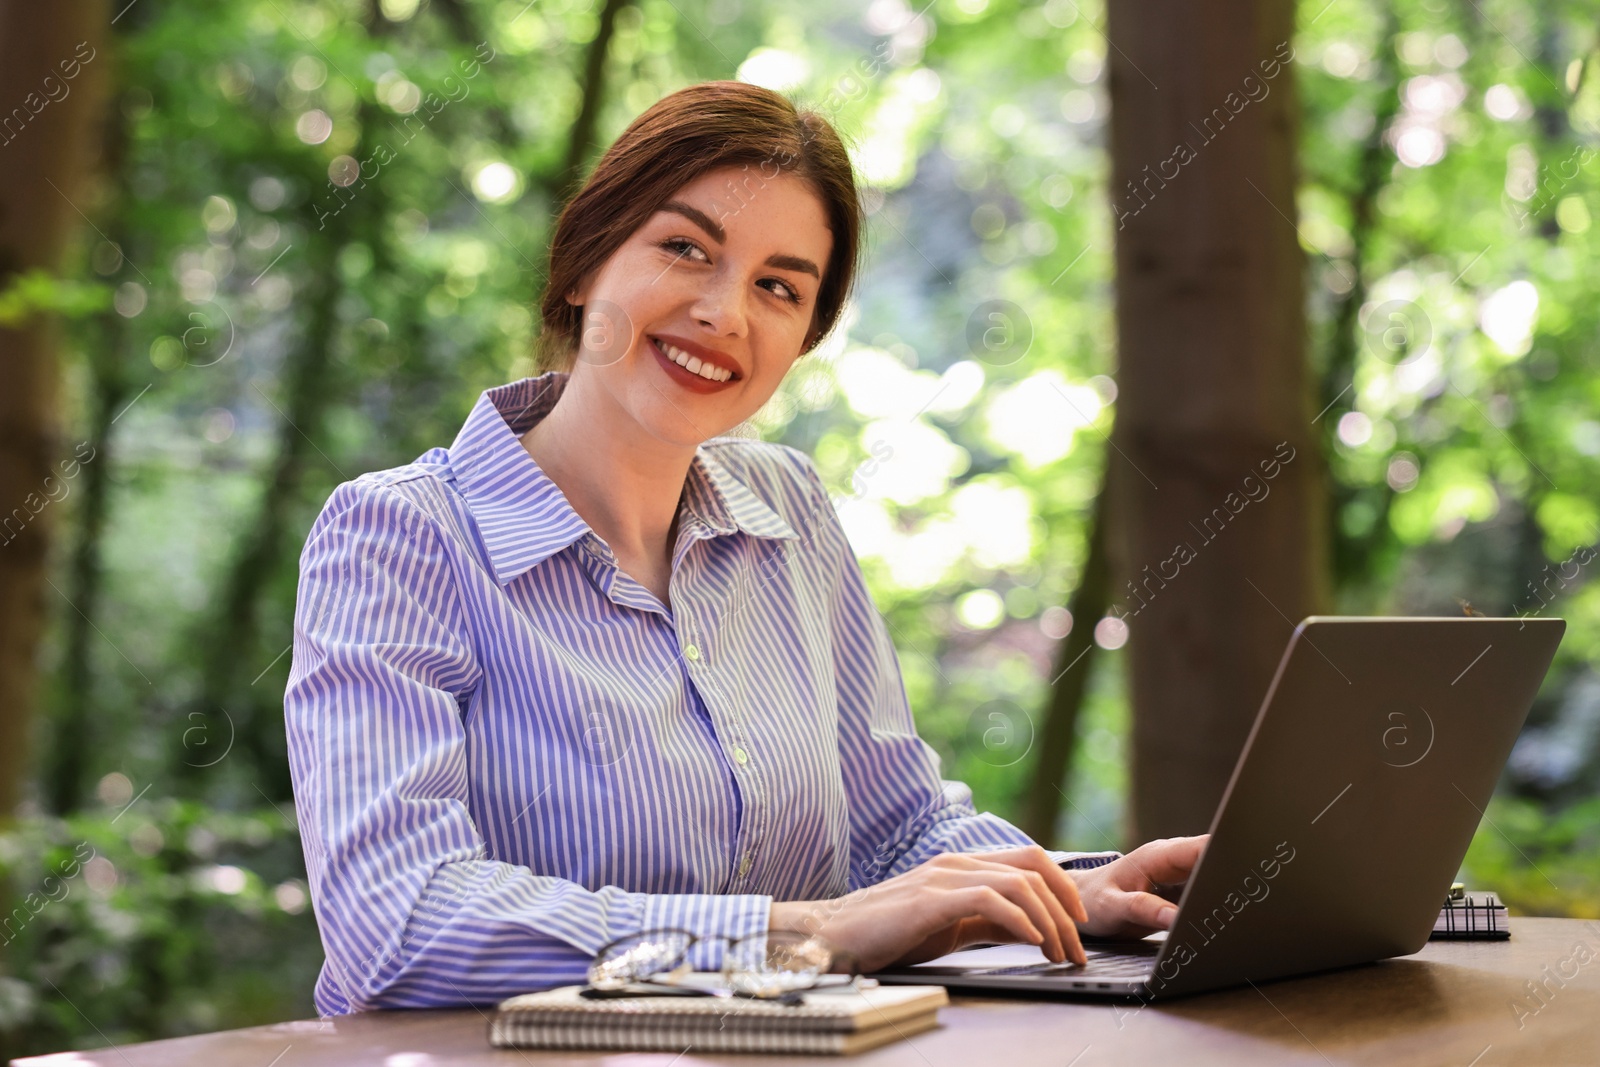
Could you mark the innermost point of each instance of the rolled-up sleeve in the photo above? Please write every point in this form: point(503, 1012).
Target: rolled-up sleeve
point(411, 910)
point(903, 812)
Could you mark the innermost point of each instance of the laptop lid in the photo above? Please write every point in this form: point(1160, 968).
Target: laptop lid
point(1355, 797)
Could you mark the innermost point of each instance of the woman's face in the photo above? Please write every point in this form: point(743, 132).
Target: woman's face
point(724, 278)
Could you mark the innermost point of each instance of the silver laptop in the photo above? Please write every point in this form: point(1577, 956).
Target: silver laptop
point(1349, 812)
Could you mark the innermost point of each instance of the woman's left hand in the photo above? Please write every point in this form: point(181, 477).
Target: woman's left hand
point(1119, 897)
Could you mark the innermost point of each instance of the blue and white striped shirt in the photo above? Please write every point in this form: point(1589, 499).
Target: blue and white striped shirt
point(506, 751)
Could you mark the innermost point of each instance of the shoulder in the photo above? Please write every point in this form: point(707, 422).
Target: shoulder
point(401, 500)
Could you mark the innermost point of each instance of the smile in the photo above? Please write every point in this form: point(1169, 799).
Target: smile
point(693, 365)
point(689, 371)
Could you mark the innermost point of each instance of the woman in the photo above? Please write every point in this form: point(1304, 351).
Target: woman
point(594, 669)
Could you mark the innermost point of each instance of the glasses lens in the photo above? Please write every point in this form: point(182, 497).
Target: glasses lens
point(775, 964)
point(637, 958)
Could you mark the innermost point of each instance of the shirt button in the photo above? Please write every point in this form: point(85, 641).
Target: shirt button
point(691, 651)
point(741, 757)
point(744, 864)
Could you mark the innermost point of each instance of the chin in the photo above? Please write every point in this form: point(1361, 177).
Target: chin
point(687, 420)
point(673, 427)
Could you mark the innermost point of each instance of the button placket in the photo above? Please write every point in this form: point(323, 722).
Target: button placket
point(734, 744)
point(747, 778)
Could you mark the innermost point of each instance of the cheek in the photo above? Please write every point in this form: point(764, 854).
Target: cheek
point(786, 333)
point(774, 363)
point(648, 291)
point(636, 276)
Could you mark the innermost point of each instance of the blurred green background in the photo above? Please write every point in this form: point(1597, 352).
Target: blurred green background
point(314, 239)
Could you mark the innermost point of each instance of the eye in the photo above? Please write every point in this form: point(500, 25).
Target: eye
point(681, 246)
point(788, 294)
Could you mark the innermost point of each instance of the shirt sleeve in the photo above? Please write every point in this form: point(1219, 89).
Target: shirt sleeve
point(411, 910)
point(903, 812)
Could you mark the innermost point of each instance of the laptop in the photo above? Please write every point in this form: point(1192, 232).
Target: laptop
point(1366, 773)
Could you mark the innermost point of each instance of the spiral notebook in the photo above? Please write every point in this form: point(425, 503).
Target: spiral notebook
point(1472, 917)
point(827, 1023)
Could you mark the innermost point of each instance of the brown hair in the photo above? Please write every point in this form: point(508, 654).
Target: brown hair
point(682, 136)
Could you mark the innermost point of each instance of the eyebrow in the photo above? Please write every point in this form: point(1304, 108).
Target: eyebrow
point(708, 224)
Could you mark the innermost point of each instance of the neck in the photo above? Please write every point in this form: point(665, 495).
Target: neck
point(624, 483)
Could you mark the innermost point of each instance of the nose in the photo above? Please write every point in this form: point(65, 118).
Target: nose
point(720, 307)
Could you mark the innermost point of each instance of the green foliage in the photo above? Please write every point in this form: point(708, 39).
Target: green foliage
point(160, 918)
point(1539, 865)
point(34, 291)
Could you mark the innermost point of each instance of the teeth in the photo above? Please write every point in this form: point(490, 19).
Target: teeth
point(693, 364)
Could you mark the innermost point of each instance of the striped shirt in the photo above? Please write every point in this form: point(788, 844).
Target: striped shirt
point(507, 752)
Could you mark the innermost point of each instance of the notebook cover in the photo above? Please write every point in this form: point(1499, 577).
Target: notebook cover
point(837, 1012)
point(600, 1034)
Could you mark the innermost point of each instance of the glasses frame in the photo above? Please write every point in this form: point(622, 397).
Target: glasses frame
point(791, 997)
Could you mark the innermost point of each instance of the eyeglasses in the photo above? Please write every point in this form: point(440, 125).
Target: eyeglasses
point(777, 965)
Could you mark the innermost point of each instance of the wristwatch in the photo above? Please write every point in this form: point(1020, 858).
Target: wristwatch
point(1090, 860)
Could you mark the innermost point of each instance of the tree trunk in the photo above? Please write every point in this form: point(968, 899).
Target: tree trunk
point(1218, 533)
point(1075, 658)
point(594, 80)
point(46, 147)
point(66, 759)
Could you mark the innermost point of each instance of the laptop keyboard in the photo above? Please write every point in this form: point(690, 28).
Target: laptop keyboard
point(1101, 965)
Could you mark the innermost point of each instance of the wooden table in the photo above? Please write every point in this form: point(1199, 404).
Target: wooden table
point(1463, 1003)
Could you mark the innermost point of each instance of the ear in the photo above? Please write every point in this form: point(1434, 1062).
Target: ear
point(578, 295)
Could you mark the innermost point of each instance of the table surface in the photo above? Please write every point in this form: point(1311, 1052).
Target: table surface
point(1464, 1003)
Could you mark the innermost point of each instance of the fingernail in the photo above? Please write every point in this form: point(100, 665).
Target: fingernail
point(1167, 914)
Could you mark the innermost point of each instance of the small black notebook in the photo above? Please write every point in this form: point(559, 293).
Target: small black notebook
point(1472, 917)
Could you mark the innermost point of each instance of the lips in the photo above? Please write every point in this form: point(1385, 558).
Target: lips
point(669, 355)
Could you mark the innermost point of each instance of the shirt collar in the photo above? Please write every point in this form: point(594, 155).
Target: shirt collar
point(525, 518)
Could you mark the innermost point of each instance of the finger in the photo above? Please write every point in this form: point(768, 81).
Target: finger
point(1064, 933)
point(1065, 887)
point(1061, 925)
point(1014, 886)
point(1034, 858)
point(1169, 860)
point(1073, 942)
point(1146, 909)
point(989, 903)
point(1027, 890)
point(1047, 889)
point(1059, 888)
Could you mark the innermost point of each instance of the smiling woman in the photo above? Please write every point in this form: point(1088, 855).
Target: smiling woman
point(596, 669)
point(732, 141)
point(714, 244)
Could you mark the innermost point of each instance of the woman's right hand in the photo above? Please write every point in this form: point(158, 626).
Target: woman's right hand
point(951, 901)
